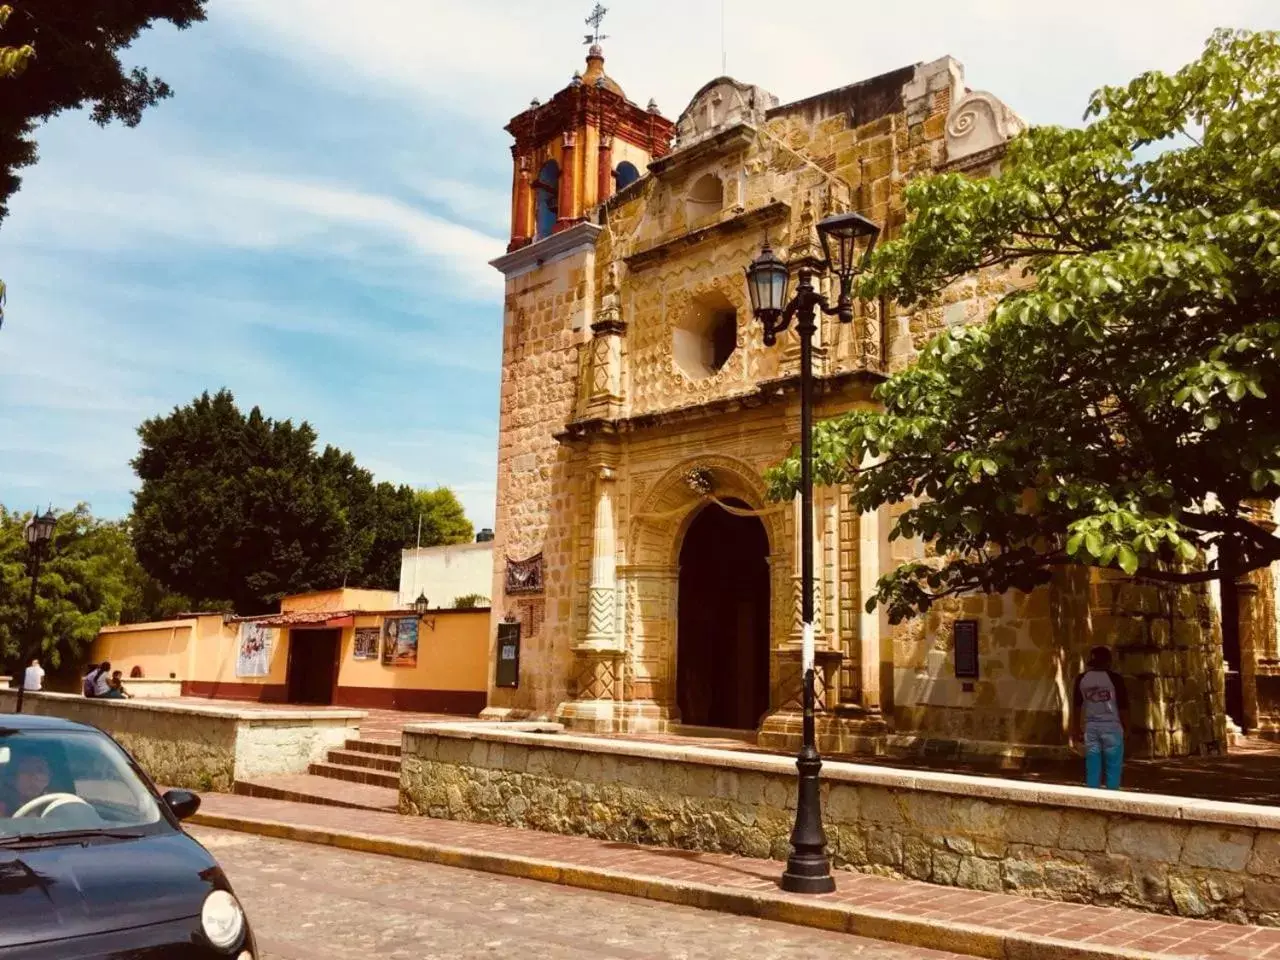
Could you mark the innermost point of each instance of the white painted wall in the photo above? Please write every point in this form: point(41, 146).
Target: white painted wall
point(446, 573)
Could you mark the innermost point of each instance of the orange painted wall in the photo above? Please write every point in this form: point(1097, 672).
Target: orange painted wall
point(452, 657)
point(341, 599)
point(159, 648)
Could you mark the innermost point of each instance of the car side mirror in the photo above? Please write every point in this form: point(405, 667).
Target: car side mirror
point(183, 803)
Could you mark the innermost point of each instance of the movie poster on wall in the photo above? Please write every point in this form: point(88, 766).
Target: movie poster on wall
point(366, 643)
point(254, 656)
point(400, 642)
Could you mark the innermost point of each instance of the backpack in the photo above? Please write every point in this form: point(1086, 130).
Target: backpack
point(91, 683)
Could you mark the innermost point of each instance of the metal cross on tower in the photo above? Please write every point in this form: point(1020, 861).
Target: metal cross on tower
point(594, 21)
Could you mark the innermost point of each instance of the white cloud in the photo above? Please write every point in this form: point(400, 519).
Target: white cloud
point(485, 60)
point(205, 204)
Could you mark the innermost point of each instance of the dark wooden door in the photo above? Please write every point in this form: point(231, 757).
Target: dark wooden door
point(313, 665)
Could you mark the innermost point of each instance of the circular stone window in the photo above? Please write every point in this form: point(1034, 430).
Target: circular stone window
point(706, 336)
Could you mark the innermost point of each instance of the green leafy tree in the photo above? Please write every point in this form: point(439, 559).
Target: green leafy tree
point(78, 65)
point(1119, 408)
point(469, 601)
point(84, 585)
point(240, 508)
point(443, 518)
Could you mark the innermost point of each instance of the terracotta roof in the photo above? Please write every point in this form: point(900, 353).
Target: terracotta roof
point(300, 618)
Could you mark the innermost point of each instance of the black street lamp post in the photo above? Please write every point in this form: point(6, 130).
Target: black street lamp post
point(847, 241)
point(37, 531)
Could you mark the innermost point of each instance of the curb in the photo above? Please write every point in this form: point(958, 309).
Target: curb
point(967, 939)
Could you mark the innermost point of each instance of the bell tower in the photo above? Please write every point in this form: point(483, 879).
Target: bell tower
point(574, 152)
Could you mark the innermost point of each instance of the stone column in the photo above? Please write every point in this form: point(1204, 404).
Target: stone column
point(522, 212)
point(601, 626)
point(568, 175)
point(604, 178)
point(869, 623)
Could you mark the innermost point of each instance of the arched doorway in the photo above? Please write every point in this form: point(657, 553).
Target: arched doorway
point(722, 648)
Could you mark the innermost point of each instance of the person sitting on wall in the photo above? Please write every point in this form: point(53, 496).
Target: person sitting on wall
point(98, 680)
point(115, 688)
point(136, 672)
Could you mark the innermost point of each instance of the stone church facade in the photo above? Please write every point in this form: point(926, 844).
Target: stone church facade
point(653, 585)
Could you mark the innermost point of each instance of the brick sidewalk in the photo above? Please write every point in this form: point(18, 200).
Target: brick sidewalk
point(983, 924)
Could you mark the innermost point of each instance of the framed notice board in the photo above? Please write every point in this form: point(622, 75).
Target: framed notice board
point(508, 669)
point(965, 642)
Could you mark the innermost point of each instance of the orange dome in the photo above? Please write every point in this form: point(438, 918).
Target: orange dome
point(595, 75)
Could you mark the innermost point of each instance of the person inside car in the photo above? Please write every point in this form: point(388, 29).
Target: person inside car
point(29, 777)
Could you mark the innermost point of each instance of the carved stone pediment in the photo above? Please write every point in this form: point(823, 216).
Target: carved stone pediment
point(721, 104)
point(979, 122)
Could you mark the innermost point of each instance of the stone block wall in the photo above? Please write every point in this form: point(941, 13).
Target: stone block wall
point(1161, 854)
point(198, 747)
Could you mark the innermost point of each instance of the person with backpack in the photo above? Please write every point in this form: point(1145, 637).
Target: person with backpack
point(98, 680)
point(1101, 707)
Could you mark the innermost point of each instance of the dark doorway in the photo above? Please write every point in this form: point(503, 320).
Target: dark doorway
point(313, 665)
point(722, 654)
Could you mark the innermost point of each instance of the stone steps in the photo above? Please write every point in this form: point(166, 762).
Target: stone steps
point(370, 761)
point(374, 778)
point(385, 748)
point(323, 791)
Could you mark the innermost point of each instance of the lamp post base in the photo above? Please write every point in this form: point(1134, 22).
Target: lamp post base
point(808, 869)
point(799, 883)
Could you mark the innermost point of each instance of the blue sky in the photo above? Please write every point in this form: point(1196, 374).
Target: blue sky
point(308, 221)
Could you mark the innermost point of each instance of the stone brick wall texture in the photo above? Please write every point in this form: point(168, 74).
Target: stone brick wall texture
point(204, 750)
point(1155, 855)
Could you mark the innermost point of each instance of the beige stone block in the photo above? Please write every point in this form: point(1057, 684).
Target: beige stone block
point(879, 806)
point(1146, 840)
point(1188, 898)
point(946, 867)
point(1217, 848)
point(842, 804)
point(1262, 896)
point(978, 874)
point(929, 813)
point(1086, 832)
point(1266, 855)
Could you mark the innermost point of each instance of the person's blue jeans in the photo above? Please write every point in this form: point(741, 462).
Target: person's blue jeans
point(1103, 751)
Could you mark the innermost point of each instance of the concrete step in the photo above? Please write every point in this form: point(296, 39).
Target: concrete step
point(384, 748)
point(370, 761)
point(374, 778)
point(323, 791)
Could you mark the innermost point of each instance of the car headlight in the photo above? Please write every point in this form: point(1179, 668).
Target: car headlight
point(222, 919)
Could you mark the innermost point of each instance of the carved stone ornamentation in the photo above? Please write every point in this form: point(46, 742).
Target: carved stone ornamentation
point(722, 104)
point(979, 122)
point(701, 481)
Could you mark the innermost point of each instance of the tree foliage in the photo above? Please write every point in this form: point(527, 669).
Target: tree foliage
point(1119, 408)
point(78, 65)
point(88, 578)
point(241, 508)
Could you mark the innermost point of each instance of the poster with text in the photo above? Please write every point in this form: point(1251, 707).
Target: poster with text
point(254, 656)
point(366, 643)
point(400, 642)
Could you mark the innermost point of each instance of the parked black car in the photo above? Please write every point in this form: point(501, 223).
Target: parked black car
point(94, 864)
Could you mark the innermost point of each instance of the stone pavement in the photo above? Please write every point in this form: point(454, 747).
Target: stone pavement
point(301, 900)
point(964, 921)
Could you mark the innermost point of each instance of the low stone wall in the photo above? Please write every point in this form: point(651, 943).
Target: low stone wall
point(203, 747)
point(153, 688)
point(1193, 858)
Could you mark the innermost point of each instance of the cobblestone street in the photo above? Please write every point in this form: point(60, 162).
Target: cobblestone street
point(315, 903)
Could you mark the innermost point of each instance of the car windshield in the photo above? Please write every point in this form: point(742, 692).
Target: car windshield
point(68, 780)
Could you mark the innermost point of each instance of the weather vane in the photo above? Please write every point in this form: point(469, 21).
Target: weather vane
point(594, 21)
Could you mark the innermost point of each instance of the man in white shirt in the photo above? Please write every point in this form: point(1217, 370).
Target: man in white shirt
point(33, 678)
